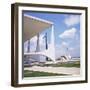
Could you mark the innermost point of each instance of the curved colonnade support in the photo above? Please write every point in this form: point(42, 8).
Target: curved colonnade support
point(50, 52)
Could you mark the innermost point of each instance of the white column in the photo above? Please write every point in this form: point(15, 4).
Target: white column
point(52, 36)
point(52, 46)
point(38, 46)
point(37, 57)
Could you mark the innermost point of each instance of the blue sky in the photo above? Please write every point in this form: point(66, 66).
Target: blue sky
point(67, 32)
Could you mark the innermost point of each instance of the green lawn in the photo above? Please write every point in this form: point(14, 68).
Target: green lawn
point(29, 73)
point(74, 64)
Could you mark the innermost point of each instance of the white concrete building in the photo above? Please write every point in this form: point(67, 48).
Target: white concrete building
point(32, 27)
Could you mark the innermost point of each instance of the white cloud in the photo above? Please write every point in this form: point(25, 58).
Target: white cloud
point(72, 20)
point(73, 51)
point(59, 51)
point(71, 48)
point(64, 44)
point(70, 33)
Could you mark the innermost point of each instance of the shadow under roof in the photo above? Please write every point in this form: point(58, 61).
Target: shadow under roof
point(33, 26)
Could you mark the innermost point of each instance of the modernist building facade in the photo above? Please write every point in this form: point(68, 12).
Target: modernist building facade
point(32, 27)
